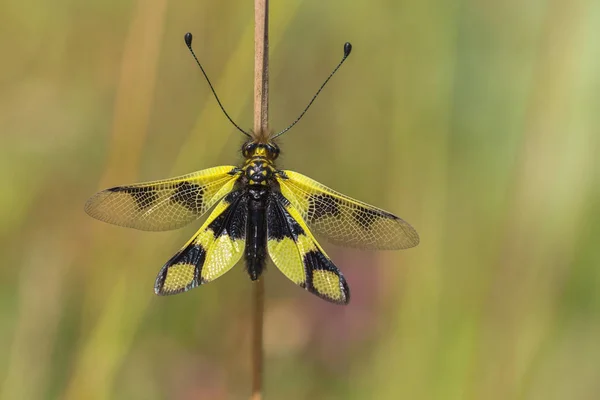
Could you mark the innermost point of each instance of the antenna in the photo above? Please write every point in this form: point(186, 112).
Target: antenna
point(188, 41)
point(347, 50)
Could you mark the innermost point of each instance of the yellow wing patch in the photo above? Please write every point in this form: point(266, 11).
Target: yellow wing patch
point(327, 283)
point(297, 254)
point(344, 220)
point(178, 277)
point(214, 250)
point(163, 205)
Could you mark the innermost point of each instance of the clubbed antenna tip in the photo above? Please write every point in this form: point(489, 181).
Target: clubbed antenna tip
point(188, 39)
point(347, 46)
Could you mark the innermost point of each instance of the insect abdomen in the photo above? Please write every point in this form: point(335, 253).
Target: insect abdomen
point(256, 232)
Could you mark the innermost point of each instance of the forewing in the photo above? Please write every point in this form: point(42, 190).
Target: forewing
point(297, 254)
point(162, 205)
point(344, 220)
point(214, 250)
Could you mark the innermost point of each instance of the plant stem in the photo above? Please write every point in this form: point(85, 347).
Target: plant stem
point(261, 117)
point(261, 65)
point(257, 334)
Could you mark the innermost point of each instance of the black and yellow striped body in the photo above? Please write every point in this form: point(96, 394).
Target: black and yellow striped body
point(256, 181)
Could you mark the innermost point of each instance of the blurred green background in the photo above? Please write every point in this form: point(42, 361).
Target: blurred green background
point(476, 121)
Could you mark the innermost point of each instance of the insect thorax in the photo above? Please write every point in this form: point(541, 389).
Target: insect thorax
point(258, 170)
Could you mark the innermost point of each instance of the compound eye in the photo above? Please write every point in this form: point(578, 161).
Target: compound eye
point(248, 149)
point(273, 150)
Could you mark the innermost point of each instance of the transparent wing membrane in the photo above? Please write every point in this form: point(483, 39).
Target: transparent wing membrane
point(343, 220)
point(165, 204)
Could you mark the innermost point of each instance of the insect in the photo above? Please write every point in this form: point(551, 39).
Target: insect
point(259, 210)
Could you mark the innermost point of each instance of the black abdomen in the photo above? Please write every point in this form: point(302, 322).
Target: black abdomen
point(256, 231)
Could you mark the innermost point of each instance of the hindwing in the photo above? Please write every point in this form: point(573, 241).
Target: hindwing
point(297, 254)
point(215, 249)
point(165, 204)
point(344, 220)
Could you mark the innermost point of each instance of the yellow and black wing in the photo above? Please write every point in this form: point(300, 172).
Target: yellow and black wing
point(297, 254)
point(344, 220)
point(215, 249)
point(163, 205)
